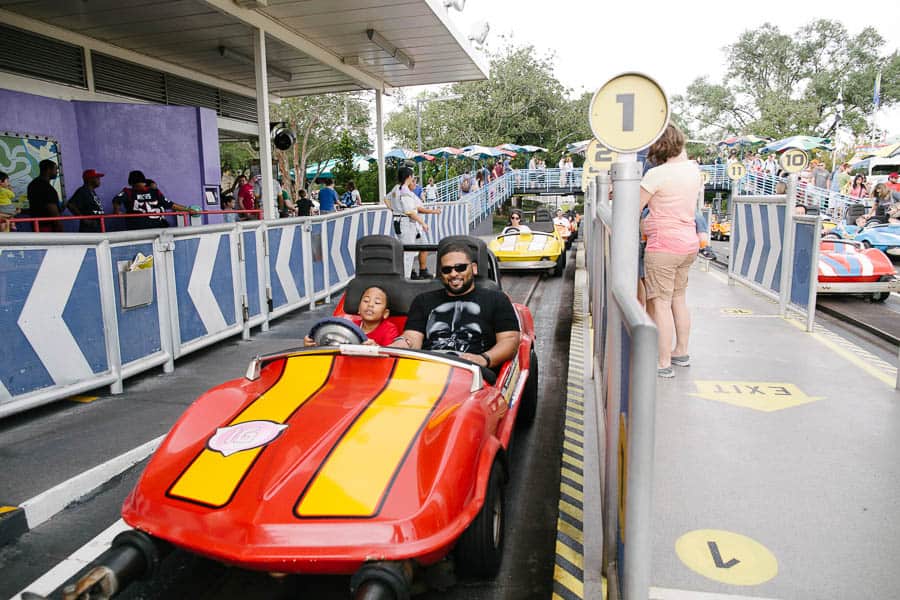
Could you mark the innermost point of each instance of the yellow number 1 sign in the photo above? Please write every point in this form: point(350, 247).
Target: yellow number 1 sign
point(629, 112)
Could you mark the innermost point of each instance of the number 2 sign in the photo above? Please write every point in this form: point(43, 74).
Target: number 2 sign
point(597, 159)
point(629, 112)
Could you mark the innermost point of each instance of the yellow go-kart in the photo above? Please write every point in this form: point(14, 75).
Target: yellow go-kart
point(536, 246)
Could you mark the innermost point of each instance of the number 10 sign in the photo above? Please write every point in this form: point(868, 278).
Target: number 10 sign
point(629, 112)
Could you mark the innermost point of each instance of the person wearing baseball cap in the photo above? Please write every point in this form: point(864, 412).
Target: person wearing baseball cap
point(893, 182)
point(86, 202)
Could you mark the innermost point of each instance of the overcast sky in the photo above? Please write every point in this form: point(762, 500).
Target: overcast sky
point(674, 42)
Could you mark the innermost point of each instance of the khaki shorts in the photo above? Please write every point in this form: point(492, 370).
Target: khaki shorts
point(666, 275)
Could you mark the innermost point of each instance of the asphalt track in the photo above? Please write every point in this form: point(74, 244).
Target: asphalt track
point(879, 319)
point(157, 399)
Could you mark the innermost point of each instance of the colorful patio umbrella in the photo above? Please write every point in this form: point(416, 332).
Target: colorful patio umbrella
point(531, 149)
point(577, 147)
point(480, 152)
point(744, 140)
point(445, 152)
point(404, 154)
point(801, 142)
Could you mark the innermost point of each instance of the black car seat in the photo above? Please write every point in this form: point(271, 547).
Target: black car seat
point(812, 211)
point(379, 262)
point(543, 220)
point(488, 273)
point(854, 211)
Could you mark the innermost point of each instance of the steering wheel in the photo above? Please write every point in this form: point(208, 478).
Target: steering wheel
point(509, 229)
point(334, 331)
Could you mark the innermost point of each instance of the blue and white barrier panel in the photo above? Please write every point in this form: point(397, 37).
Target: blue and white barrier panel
point(453, 220)
point(204, 292)
point(758, 236)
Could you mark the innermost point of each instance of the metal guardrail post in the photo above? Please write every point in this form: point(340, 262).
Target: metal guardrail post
point(110, 319)
point(164, 246)
point(732, 218)
point(813, 276)
point(787, 247)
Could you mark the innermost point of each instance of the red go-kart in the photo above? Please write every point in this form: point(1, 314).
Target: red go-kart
point(349, 459)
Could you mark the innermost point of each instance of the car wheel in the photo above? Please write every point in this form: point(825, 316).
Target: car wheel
point(479, 550)
point(881, 296)
point(560, 264)
point(529, 400)
point(866, 244)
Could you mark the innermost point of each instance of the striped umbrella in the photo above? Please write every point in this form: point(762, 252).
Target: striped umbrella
point(801, 142)
point(404, 154)
point(445, 152)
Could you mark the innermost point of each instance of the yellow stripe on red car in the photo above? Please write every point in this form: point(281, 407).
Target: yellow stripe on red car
point(213, 478)
point(357, 474)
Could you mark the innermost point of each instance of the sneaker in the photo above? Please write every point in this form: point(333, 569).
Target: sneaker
point(424, 274)
point(414, 275)
point(707, 253)
point(665, 372)
point(682, 361)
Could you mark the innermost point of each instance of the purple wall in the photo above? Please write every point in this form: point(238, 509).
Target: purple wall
point(37, 115)
point(177, 146)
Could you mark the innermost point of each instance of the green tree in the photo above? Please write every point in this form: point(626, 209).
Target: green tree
point(236, 156)
point(522, 102)
point(780, 84)
point(321, 124)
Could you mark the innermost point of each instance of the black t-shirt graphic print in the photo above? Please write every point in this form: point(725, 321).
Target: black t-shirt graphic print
point(466, 323)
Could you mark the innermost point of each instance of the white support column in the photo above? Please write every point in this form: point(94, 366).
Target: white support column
point(379, 145)
point(262, 121)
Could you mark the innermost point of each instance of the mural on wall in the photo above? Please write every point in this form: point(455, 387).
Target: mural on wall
point(19, 158)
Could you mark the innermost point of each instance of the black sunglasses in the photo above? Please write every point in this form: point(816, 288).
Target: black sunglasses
point(459, 268)
point(514, 217)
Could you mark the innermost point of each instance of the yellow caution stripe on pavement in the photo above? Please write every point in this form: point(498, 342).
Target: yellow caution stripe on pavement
point(568, 572)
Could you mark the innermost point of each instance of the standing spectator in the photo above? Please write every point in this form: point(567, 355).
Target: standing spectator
point(568, 167)
point(820, 175)
point(7, 205)
point(304, 204)
point(404, 205)
point(498, 170)
point(479, 181)
point(771, 165)
point(246, 199)
point(893, 182)
point(532, 163)
point(859, 188)
point(417, 189)
point(85, 201)
point(431, 191)
point(328, 198)
point(286, 208)
point(43, 200)
point(356, 199)
point(420, 235)
point(670, 191)
point(228, 204)
point(465, 184)
point(141, 199)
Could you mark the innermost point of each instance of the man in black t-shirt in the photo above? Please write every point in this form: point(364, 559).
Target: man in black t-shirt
point(480, 324)
point(86, 202)
point(43, 200)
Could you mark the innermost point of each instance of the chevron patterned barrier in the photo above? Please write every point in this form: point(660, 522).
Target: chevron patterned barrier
point(454, 218)
point(205, 298)
point(758, 235)
point(71, 322)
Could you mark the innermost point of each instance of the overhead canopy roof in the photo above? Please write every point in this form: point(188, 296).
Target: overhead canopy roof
point(312, 46)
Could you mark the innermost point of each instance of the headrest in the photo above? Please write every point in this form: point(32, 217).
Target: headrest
point(486, 276)
point(542, 214)
point(400, 291)
point(379, 255)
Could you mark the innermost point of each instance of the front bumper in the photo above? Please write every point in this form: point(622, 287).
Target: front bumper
point(525, 265)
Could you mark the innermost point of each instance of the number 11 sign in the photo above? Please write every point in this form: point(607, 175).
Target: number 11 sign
point(629, 112)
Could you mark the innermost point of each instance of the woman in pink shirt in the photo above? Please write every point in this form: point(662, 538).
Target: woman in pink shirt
point(670, 190)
